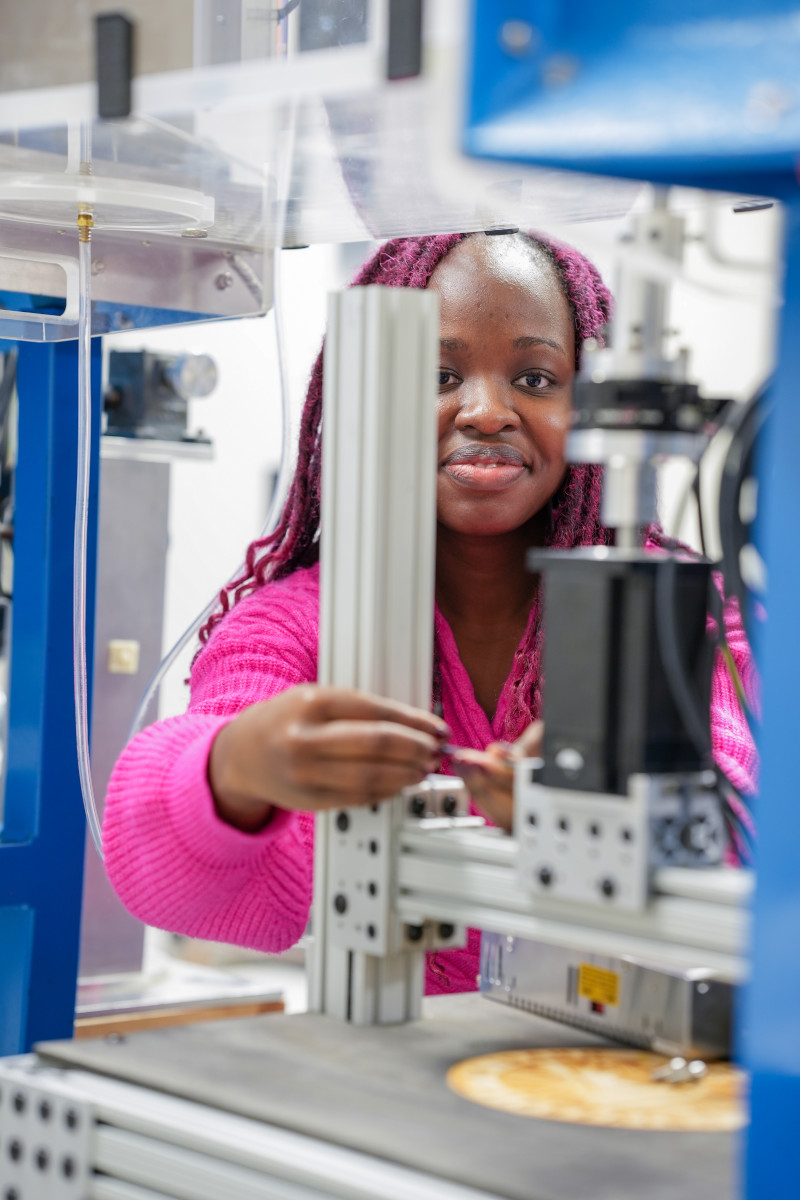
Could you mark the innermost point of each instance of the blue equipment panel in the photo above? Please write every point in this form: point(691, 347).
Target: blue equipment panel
point(698, 93)
point(704, 94)
point(43, 834)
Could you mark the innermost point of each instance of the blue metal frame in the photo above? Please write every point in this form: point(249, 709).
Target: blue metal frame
point(703, 93)
point(43, 835)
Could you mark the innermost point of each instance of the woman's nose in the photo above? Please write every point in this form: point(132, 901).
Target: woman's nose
point(486, 407)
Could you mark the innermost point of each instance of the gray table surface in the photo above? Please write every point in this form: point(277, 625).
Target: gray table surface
point(382, 1091)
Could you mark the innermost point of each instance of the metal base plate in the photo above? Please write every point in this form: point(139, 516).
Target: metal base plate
point(382, 1091)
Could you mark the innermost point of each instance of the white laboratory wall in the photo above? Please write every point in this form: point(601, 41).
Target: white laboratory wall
point(218, 506)
point(725, 317)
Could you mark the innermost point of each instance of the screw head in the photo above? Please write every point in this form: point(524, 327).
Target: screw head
point(446, 930)
point(19, 1103)
point(608, 887)
point(418, 806)
point(42, 1159)
point(545, 876)
point(371, 931)
point(449, 805)
point(595, 829)
point(68, 1167)
point(71, 1119)
point(563, 824)
point(374, 847)
point(372, 888)
point(343, 822)
point(45, 1110)
point(340, 903)
point(15, 1150)
point(518, 38)
point(223, 281)
point(414, 933)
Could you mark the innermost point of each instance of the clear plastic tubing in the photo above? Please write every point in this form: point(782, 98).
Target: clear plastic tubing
point(285, 470)
point(82, 522)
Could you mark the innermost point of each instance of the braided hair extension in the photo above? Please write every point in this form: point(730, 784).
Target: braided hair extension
point(575, 507)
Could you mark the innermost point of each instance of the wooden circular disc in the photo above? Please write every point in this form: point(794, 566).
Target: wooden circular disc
point(600, 1086)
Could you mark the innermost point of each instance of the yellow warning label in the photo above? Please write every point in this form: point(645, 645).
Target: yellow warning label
point(597, 984)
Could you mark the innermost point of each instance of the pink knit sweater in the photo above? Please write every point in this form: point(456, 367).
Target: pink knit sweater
point(176, 865)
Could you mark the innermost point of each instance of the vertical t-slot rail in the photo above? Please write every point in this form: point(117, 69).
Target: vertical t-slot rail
point(377, 548)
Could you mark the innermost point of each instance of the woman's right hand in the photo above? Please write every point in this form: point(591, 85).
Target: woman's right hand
point(315, 748)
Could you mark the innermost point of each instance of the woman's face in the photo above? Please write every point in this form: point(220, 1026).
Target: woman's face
point(507, 360)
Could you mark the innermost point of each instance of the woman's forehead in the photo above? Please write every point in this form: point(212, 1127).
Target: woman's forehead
point(503, 260)
point(481, 269)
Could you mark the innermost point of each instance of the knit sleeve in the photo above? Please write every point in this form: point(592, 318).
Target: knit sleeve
point(731, 741)
point(173, 862)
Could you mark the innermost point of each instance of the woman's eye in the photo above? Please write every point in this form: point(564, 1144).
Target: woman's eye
point(447, 378)
point(534, 380)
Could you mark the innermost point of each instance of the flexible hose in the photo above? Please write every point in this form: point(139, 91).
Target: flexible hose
point(285, 470)
point(81, 534)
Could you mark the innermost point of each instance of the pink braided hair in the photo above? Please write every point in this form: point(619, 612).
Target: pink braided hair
point(410, 262)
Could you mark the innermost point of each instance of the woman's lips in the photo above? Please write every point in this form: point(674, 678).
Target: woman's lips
point(485, 468)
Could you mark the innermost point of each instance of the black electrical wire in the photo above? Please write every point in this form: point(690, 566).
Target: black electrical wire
point(735, 809)
point(746, 422)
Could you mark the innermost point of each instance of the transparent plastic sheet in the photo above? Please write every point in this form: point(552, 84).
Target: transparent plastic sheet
point(285, 470)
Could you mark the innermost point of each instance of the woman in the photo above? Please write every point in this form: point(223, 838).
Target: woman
point(209, 816)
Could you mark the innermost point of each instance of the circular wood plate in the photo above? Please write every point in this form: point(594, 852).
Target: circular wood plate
point(601, 1086)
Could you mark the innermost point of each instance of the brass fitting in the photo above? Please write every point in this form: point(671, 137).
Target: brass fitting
point(85, 226)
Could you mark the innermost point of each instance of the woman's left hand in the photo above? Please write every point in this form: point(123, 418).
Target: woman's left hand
point(489, 773)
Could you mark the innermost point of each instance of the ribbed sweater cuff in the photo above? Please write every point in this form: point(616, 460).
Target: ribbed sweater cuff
point(194, 819)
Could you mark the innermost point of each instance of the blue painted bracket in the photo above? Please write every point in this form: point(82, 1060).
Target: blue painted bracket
point(43, 834)
point(771, 1025)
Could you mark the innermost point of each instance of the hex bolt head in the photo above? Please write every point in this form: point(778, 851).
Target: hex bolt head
point(449, 805)
point(545, 876)
point(446, 930)
point(414, 933)
point(343, 822)
point(608, 887)
point(340, 903)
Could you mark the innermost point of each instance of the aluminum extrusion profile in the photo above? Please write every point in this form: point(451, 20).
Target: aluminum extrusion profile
point(376, 621)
